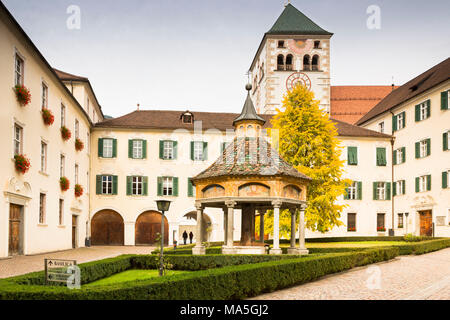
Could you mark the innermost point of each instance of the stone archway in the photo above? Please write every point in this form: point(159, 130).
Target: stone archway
point(107, 228)
point(147, 227)
point(206, 223)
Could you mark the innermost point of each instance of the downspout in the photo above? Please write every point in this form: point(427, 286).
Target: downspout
point(391, 232)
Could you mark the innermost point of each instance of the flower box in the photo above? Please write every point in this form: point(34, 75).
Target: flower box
point(381, 229)
point(47, 116)
point(79, 145)
point(22, 163)
point(78, 190)
point(351, 229)
point(23, 95)
point(65, 133)
point(64, 183)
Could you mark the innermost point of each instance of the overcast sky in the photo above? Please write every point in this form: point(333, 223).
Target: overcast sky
point(193, 54)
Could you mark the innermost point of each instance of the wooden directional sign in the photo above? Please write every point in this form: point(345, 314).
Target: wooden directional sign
point(56, 270)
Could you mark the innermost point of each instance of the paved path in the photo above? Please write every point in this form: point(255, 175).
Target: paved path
point(25, 264)
point(407, 277)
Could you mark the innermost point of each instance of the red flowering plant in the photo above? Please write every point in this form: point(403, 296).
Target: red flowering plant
point(64, 183)
point(79, 145)
point(22, 163)
point(381, 229)
point(47, 116)
point(351, 229)
point(23, 94)
point(65, 133)
point(78, 190)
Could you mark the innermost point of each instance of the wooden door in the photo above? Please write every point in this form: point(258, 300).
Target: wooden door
point(107, 228)
point(148, 225)
point(426, 223)
point(74, 232)
point(15, 230)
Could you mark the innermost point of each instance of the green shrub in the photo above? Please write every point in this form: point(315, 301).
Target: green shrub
point(343, 239)
point(424, 246)
point(412, 238)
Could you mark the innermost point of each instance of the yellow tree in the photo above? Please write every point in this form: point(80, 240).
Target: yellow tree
point(308, 141)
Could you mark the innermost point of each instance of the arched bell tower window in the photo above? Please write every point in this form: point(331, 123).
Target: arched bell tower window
point(315, 63)
point(289, 62)
point(306, 63)
point(280, 62)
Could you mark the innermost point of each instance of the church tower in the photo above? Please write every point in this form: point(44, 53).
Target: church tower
point(294, 50)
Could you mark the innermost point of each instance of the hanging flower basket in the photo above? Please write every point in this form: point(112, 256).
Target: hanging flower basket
point(79, 145)
point(65, 133)
point(22, 163)
point(78, 190)
point(64, 183)
point(23, 94)
point(381, 229)
point(47, 116)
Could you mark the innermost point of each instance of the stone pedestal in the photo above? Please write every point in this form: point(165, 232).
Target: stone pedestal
point(275, 251)
point(298, 251)
point(198, 250)
point(228, 250)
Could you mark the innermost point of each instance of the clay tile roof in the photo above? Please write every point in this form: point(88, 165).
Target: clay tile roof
point(350, 103)
point(427, 80)
point(250, 157)
point(349, 130)
point(68, 76)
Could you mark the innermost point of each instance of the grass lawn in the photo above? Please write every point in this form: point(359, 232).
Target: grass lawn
point(132, 275)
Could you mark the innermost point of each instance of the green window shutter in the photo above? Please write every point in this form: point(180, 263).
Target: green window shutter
point(404, 186)
point(428, 108)
point(394, 157)
point(445, 141)
point(159, 186)
point(223, 146)
point(98, 184)
point(444, 180)
point(205, 150)
point(394, 189)
point(417, 150)
point(100, 147)
point(417, 112)
point(403, 154)
point(394, 123)
point(417, 184)
point(129, 185)
point(175, 150)
point(114, 187)
point(175, 186)
point(352, 155)
point(114, 148)
point(130, 148)
point(161, 149)
point(145, 187)
point(359, 185)
point(429, 182)
point(144, 149)
point(190, 188)
point(346, 194)
point(388, 191)
point(428, 147)
point(375, 195)
point(381, 156)
point(444, 100)
point(192, 150)
point(404, 119)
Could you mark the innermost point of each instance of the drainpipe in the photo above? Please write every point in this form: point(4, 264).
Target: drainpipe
point(391, 231)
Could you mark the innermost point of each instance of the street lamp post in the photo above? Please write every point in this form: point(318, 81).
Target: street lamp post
point(163, 206)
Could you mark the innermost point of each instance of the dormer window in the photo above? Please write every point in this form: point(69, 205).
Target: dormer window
point(281, 44)
point(187, 117)
point(316, 44)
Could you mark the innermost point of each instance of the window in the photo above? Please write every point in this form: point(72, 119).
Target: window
point(352, 191)
point(289, 62)
point(423, 183)
point(62, 165)
point(63, 115)
point(77, 129)
point(61, 212)
point(44, 96)
point(381, 127)
point(423, 148)
point(18, 70)
point(401, 121)
point(445, 100)
point(280, 62)
point(76, 174)
point(281, 44)
point(446, 179)
point(43, 157)
point(137, 186)
point(198, 151)
point(137, 149)
point(399, 187)
point(400, 155)
point(351, 222)
point(18, 137)
point(42, 199)
point(352, 156)
point(315, 63)
point(107, 183)
point(107, 148)
point(306, 63)
point(380, 222)
point(381, 191)
point(400, 221)
point(381, 156)
point(168, 153)
point(191, 188)
point(316, 44)
point(167, 186)
point(423, 110)
point(446, 141)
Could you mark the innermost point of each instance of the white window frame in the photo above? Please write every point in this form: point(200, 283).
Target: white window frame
point(423, 111)
point(399, 187)
point(381, 190)
point(44, 95)
point(63, 115)
point(423, 180)
point(138, 149)
point(423, 148)
point(18, 139)
point(353, 191)
point(62, 165)
point(137, 188)
point(61, 212)
point(168, 152)
point(198, 150)
point(108, 148)
point(42, 206)
point(43, 156)
point(77, 169)
point(399, 155)
point(167, 186)
point(107, 184)
point(77, 129)
point(448, 178)
point(448, 135)
point(400, 121)
point(19, 72)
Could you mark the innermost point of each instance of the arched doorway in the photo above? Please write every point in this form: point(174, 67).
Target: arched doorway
point(148, 225)
point(107, 228)
point(188, 227)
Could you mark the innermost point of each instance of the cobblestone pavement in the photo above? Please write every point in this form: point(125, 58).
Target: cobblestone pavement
point(407, 277)
point(24, 264)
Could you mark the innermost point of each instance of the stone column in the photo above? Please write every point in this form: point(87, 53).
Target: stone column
point(228, 247)
point(293, 249)
point(276, 227)
point(261, 226)
point(301, 232)
point(199, 248)
point(225, 225)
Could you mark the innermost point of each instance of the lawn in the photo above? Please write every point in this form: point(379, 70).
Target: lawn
point(132, 275)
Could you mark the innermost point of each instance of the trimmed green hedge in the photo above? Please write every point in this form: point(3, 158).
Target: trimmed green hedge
point(424, 246)
point(230, 282)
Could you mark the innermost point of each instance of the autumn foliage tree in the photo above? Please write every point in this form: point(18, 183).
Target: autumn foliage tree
point(308, 141)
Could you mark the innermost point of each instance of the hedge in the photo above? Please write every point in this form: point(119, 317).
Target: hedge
point(424, 246)
point(230, 282)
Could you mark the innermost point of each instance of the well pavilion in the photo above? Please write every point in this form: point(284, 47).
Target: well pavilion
point(251, 176)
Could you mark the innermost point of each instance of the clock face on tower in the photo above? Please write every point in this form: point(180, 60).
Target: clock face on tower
point(298, 77)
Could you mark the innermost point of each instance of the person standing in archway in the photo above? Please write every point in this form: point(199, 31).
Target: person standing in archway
point(185, 235)
point(191, 235)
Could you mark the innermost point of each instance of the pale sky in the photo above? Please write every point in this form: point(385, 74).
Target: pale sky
point(193, 54)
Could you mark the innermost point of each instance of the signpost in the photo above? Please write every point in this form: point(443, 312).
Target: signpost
point(58, 270)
